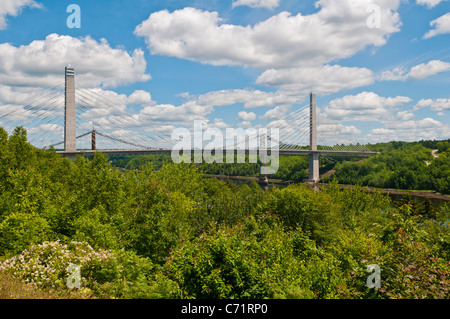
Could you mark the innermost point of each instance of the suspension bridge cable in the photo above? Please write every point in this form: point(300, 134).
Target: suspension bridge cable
point(31, 111)
point(154, 128)
point(292, 133)
point(129, 121)
point(116, 119)
point(109, 119)
point(35, 118)
point(38, 95)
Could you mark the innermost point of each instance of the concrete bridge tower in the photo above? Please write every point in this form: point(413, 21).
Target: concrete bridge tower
point(313, 156)
point(70, 134)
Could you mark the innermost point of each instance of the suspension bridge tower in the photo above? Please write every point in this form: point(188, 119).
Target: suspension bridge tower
point(70, 134)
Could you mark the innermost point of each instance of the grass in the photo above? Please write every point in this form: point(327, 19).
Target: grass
point(14, 288)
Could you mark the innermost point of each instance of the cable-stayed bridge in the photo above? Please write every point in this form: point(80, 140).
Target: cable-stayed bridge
point(82, 121)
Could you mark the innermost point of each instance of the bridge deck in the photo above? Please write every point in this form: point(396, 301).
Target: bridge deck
point(168, 151)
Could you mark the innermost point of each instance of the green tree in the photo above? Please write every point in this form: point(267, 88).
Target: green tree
point(22, 152)
point(157, 221)
point(299, 206)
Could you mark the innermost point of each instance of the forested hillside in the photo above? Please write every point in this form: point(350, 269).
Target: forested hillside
point(167, 232)
point(401, 165)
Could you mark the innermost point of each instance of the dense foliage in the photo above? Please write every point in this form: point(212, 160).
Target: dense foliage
point(166, 232)
point(401, 165)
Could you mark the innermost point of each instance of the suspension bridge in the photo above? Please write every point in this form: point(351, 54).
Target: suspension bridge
point(106, 123)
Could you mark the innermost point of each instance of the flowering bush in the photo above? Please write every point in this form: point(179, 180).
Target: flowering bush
point(45, 265)
point(104, 273)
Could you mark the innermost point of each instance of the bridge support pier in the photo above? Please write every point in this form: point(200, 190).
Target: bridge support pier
point(263, 182)
point(313, 168)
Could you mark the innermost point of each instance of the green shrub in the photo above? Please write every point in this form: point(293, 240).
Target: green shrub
point(94, 227)
point(19, 230)
point(253, 259)
point(157, 221)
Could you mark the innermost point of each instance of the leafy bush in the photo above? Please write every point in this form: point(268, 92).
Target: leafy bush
point(300, 206)
point(19, 230)
point(416, 269)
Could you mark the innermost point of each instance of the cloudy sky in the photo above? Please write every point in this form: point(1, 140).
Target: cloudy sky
point(380, 68)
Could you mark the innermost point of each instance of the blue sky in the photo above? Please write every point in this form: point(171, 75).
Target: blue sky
point(380, 68)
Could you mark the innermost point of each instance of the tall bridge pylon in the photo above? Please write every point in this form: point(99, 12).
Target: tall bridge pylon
point(70, 134)
point(313, 168)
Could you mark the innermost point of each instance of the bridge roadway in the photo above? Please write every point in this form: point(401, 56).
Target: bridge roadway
point(169, 151)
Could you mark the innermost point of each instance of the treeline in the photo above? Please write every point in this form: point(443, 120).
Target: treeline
point(401, 165)
point(170, 233)
point(291, 168)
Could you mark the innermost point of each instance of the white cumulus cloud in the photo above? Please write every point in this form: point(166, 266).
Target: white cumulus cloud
point(434, 104)
point(423, 129)
point(322, 80)
point(425, 70)
point(440, 25)
point(250, 98)
point(42, 62)
point(338, 30)
point(140, 97)
point(338, 129)
point(417, 72)
point(13, 8)
point(429, 3)
point(365, 106)
point(269, 4)
point(246, 116)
